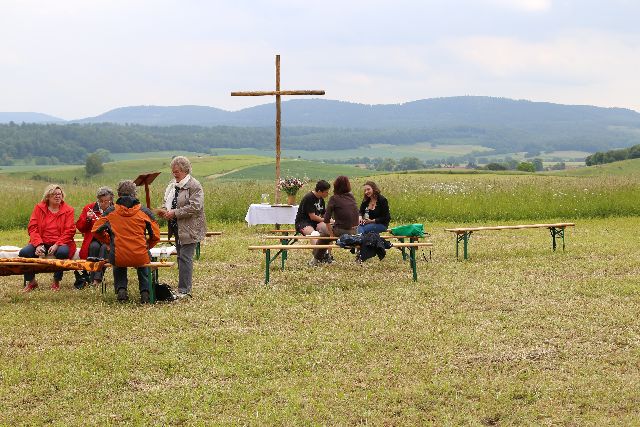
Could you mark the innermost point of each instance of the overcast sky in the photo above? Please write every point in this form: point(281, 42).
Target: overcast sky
point(80, 58)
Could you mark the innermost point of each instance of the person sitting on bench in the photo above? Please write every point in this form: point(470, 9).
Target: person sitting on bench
point(342, 209)
point(310, 216)
point(91, 247)
point(374, 210)
point(51, 230)
point(132, 231)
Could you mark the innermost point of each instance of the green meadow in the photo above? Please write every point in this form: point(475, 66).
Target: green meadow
point(516, 335)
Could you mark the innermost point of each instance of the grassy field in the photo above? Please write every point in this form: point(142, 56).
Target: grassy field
point(300, 168)
point(517, 335)
point(421, 150)
point(460, 197)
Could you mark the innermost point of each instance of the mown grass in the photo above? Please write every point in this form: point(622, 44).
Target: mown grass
point(517, 335)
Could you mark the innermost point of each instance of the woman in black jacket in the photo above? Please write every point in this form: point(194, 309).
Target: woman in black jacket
point(374, 210)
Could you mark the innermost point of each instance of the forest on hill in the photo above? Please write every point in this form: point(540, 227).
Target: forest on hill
point(504, 125)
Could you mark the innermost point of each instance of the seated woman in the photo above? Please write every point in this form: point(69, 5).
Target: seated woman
point(51, 229)
point(91, 247)
point(374, 210)
point(342, 207)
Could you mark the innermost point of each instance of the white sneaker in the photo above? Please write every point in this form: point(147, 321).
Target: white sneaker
point(181, 295)
point(313, 262)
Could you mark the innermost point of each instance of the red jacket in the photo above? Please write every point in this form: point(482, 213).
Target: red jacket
point(64, 221)
point(84, 225)
point(133, 230)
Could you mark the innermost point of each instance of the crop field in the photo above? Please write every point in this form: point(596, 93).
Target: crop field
point(516, 335)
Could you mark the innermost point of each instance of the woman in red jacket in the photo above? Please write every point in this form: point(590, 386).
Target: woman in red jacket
point(91, 247)
point(51, 230)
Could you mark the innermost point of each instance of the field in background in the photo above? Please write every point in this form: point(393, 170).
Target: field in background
point(456, 197)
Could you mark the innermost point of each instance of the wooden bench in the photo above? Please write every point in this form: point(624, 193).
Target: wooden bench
point(172, 240)
point(289, 240)
point(463, 234)
point(266, 249)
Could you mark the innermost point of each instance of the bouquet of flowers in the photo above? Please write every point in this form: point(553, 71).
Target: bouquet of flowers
point(291, 185)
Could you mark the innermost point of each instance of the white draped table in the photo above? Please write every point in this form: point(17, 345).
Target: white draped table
point(269, 214)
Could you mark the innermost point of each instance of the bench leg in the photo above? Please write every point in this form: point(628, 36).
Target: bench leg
point(464, 237)
point(404, 253)
point(556, 232)
point(267, 265)
point(412, 260)
point(153, 279)
point(197, 251)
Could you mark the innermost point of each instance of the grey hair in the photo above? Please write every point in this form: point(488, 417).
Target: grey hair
point(104, 191)
point(182, 162)
point(126, 188)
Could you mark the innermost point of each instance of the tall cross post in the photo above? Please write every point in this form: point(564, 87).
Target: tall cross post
point(278, 93)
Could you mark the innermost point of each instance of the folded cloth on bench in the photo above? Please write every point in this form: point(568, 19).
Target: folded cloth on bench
point(11, 266)
point(9, 251)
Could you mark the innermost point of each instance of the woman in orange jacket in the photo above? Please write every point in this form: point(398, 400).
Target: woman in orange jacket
point(51, 229)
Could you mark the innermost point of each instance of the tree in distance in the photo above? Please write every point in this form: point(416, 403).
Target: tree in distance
point(93, 164)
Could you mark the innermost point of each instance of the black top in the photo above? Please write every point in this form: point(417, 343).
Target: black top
point(380, 214)
point(309, 204)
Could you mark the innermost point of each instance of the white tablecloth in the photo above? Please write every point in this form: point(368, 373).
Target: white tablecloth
point(267, 214)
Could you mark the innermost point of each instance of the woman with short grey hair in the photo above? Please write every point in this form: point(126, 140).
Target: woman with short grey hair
point(91, 247)
point(181, 163)
point(184, 212)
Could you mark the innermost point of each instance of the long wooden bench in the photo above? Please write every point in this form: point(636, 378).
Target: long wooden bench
point(165, 239)
point(266, 249)
point(289, 240)
point(463, 234)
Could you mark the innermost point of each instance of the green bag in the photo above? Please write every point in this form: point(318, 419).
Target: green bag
point(408, 230)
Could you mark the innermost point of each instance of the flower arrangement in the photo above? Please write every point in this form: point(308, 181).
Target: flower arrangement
point(291, 185)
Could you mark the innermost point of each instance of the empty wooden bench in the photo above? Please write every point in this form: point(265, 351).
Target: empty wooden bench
point(463, 234)
point(266, 249)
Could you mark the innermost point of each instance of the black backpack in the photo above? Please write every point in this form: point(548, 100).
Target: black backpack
point(164, 292)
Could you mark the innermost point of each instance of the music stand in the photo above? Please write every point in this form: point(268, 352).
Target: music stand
point(146, 179)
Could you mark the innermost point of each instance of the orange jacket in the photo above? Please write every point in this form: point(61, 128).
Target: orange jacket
point(64, 221)
point(132, 229)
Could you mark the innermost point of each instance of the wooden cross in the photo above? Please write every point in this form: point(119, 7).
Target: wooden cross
point(278, 93)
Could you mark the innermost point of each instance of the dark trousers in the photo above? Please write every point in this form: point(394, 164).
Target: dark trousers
point(120, 278)
point(29, 251)
point(97, 250)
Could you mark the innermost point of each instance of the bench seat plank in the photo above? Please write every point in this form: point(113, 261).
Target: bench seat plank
point(510, 227)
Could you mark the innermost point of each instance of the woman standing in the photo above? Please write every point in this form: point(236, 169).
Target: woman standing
point(91, 247)
point(184, 203)
point(374, 210)
point(51, 229)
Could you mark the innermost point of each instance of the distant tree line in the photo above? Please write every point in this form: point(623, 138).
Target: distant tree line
point(72, 143)
point(610, 156)
point(414, 163)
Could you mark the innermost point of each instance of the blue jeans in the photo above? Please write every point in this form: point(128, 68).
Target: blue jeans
point(29, 251)
point(378, 228)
